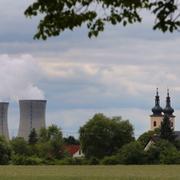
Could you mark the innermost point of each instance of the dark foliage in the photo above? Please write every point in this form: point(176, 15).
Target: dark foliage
point(71, 141)
point(166, 131)
point(57, 16)
point(33, 137)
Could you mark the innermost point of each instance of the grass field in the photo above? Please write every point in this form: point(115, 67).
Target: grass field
point(89, 172)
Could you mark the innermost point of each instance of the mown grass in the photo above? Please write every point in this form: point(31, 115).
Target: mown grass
point(171, 172)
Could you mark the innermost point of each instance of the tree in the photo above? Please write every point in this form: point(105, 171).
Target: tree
point(33, 137)
point(71, 140)
point(59, 15)
point(50, 143)
point(43, 135)
point(5, 151)
point(102, 136)
point(132, 153)
point(146, 136)
point(163, 152)
point(20, 146)
point(166, 131)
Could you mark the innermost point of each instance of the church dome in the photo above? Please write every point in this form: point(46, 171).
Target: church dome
point(168, 109)
point(157, 110)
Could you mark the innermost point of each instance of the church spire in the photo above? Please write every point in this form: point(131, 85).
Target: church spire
point(157, 110)
point(168, 109)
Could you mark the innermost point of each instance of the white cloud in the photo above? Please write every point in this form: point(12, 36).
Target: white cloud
point(121, 68)
point(19, 76)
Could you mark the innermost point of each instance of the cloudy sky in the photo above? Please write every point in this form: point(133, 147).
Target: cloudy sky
point(115, 74)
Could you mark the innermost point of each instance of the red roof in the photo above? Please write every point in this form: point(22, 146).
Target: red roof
point(72, 149)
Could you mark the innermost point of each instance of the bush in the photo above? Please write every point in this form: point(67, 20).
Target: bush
point(5, 152)
point(24, 160)
point(132, 153)
point(163, 152)
point(20, 146)
point(70, 161)
point(110, 160)
point(170, 156)
point(145, 137)
point(93, 161)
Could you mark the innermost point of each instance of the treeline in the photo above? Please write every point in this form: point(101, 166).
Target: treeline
point(111, 141)
point(103, 140)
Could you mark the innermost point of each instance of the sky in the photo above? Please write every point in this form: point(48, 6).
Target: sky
point(115, 74)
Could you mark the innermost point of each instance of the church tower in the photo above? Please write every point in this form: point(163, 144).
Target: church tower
point(157, 116)
point(168, 110)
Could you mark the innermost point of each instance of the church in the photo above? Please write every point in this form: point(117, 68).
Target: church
point(157, 117)
point(158, 113)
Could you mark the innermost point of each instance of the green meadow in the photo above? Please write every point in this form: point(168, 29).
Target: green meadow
point(89, 172)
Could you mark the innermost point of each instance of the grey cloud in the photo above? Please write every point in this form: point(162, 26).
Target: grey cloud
point(71, 120)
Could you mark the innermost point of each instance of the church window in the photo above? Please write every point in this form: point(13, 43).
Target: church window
point(171, 124)
point(154, 123)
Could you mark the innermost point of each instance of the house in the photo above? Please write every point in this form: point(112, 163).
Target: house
point(153, 140)
point(74, 151)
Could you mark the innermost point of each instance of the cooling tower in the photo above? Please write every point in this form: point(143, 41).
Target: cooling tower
point(32, 115)
point(3, 119)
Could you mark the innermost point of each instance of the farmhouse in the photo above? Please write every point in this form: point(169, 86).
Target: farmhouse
point(74, 151)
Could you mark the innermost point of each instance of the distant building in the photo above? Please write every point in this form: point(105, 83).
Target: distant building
point(157, 117)
point(32, 115)
point(158, 113)
point(153, 140)
point(4, 119)
point(74, 151)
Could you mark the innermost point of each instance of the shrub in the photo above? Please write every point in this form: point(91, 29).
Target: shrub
point(93, 161)
point(20, 146)
point(110, 160)
point(24, 160)
point(163, 152)
point(70, 161)
point(132, 153)
point(5, 151)
point(170, 156)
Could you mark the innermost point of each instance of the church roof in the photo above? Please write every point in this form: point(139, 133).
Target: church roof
point(157, 110)
point(168, 109)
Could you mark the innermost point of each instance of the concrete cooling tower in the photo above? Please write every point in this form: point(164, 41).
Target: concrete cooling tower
point(32, 115)
point(3, 119)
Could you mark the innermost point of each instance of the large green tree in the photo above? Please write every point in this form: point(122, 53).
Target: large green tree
point(71, 140)
point(102, 136)
point(50, 142)
point(59, 15)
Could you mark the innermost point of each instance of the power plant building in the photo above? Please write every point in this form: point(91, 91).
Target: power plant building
point(4, 119)
point(32, 115)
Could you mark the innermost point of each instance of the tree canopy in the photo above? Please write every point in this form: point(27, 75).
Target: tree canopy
point(59, 15)
point(102, 136)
